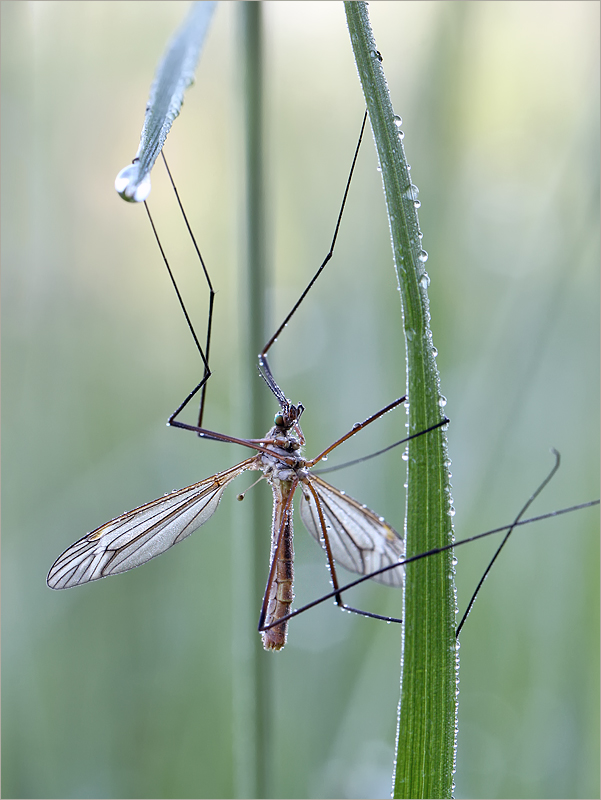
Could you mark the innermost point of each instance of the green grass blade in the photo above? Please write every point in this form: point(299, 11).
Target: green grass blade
point(174, 74)
point(426, 733)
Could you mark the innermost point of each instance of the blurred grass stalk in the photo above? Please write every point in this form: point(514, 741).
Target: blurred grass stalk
point(426, 733)
point(251, 667)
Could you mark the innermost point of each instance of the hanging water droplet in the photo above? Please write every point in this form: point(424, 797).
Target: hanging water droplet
point(405, 455)
point(424, 281)
point(442, 401)
point(451, 512)
point(130, 187)
point(423, 256)
point(398, 121)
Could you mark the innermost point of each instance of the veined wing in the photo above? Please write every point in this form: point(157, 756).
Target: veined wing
point(139, 535)
point(360, 540)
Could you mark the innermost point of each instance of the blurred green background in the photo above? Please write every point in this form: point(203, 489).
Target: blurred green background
point(128, 687)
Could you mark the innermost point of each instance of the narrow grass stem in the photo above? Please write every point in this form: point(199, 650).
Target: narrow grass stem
point(426, 733)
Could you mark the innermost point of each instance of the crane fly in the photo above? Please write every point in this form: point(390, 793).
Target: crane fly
point(351, 534)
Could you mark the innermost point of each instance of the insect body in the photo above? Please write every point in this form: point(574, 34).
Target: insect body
point(350, 533)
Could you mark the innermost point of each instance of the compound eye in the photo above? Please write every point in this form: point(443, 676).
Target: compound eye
point(278, 420)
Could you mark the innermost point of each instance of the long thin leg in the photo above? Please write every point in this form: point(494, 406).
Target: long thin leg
point(404, 562)
point(360, 460)
point(263, 362)
point(203, 352)
point(211, 294)
point(523, 510)
point(332, 566)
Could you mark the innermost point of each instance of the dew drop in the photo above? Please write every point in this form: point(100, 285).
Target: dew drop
point(129, 186)
point(442, 401)
point(424, 281)
point(398, 121)
point(423, 256)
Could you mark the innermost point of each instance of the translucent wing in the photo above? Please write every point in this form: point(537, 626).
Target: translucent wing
point(360, 540)
point(136, 537)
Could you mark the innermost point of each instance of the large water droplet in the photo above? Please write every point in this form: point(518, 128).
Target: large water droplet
point(128, 185)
